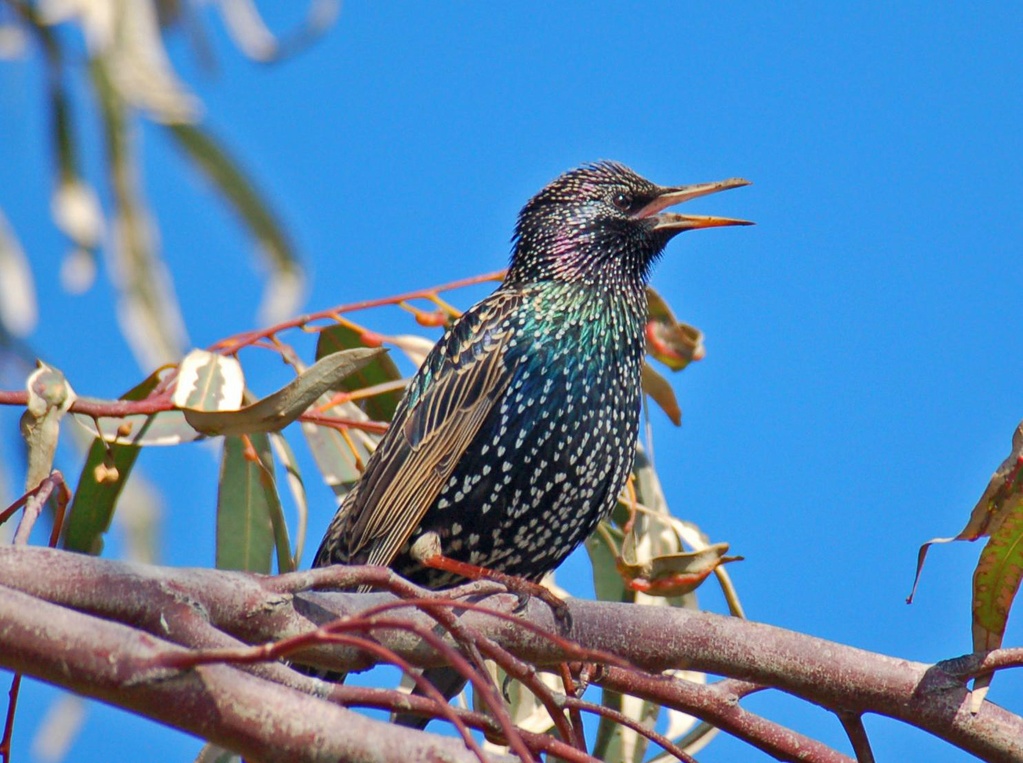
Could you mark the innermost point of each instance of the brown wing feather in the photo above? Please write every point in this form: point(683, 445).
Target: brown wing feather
point(426, 439)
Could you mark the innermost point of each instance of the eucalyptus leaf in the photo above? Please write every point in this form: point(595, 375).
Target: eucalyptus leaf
point(996, 504)
point(49, 397)
point(142, 429)
point(276, 411)
point(415, 347)
point(296, 485)
point(334, 455)
point(209, 381)
point(140, 68)
point(383, 369)
point(660, 391)
point(245, 505)
point(670, 574)
point(76, 211)
point(100, 484)
point(252, 36)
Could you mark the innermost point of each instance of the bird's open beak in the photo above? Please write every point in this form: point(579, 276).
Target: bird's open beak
point(671, 221)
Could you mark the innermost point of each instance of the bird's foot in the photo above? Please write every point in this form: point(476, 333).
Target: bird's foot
point(522, 588)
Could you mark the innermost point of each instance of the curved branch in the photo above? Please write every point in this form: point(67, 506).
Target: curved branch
point(257, 609)
point(260, 719)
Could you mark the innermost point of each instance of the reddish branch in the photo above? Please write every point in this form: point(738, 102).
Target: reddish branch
point(33, 503)
point(263, 720)
point(718, 705)
point(101, 409)
point(159, 400)
point(75, 617)
point(236, 342)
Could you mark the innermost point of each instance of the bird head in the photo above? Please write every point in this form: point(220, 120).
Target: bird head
point(603, 221)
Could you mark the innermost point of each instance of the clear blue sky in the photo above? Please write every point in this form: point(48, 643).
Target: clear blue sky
point(862, 376)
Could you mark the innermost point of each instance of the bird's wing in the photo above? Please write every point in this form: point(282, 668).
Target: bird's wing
point(465, 375)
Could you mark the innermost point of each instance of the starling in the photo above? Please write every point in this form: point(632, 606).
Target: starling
point(517, 434)
point(519, 431)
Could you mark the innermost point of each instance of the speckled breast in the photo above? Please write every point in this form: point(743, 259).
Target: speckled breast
point(553, 454)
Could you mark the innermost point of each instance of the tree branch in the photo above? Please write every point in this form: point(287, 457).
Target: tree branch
point(258, 718)
point(204, 609)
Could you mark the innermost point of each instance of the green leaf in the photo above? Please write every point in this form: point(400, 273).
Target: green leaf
point(75, 206)
point(334, 456)
point(668, 574)
point(248, 508)
point(274, 412)
point(995, 584)
point(998, 513)
point(996, 580)
point(237, 189)
point(100, 484)
point(378, 407)
point(279, 526)
point(253, 37)
point(618, 743)
point(603, 552)
point(297, 487)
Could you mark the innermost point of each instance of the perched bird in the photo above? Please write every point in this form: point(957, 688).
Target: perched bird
point(519, 431)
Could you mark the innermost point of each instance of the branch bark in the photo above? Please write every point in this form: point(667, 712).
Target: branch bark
point(81, 626)
point(262, 720)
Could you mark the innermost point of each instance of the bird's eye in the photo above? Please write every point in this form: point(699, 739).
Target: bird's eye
point(623, 201)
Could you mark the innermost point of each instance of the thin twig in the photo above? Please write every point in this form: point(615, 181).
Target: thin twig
point(929, 697)
point(437, 608)
point(238, 341)
point(393, 699)
point(630, 723)
point(853, 725)
point(720, 710)
point(981, 663)
point(12, 704)
point(338, 632)
point(568, 681)
point(335, 422)
point(440, 706)
point(33, 501)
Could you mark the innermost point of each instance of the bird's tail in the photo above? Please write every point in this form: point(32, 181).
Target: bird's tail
point(448, 682)
point(333, 676)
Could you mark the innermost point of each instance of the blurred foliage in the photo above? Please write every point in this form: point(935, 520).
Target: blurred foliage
point(116, 50)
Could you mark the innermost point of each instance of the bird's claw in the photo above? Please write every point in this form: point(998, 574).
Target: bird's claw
point(523, 593)
point(521, 601)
